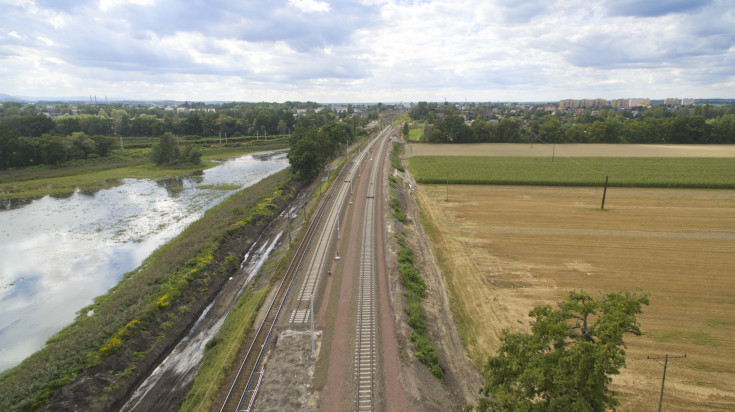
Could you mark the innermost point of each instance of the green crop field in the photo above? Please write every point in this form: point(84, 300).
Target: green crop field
point(712, 173)
point(414, 134)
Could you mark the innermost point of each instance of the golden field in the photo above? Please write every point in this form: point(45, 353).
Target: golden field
point(505, 249)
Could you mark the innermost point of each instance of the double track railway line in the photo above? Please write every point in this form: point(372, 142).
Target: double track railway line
point(241, 394)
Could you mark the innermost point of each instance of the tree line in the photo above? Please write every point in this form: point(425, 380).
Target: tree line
point(189, 119)
point(19, 151)
point(28, 137)
point(699, 125)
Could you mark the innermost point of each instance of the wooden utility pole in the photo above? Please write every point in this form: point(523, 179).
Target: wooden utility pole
point(663, 380)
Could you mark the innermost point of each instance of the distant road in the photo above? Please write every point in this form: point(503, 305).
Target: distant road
point(570, 149)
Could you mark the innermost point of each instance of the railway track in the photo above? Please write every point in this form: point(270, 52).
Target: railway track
point(365, 351)
point(240, 397)
point(318, 265)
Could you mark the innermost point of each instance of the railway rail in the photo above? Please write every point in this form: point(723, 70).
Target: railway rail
point(240, 397)
point(365, 351)
point(317, 266)
point(239, 393)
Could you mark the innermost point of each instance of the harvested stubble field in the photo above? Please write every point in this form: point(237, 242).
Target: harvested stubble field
point(505, 249)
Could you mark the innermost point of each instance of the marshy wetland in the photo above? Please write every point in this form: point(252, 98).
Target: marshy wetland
point(58, 253)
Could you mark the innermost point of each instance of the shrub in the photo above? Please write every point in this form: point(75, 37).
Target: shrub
point(415, 291)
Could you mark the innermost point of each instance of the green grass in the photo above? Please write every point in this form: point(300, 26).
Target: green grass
point(220, 353)
point(414, 134)
point(717, 323)
point(712, 173)
point(677, 335)
point(222, 186)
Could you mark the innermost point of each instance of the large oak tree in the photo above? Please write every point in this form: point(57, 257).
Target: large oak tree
point(567, 361)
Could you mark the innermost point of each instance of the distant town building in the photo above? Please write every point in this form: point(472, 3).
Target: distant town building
point(620, 103)
point(672, 101)
point(582, 104)
point(687, 102)
point(640, 102)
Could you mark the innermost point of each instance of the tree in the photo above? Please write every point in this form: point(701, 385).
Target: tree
point(121, 122)
point(723, 129)
point(166, 151)
point(144, 125)
point(80, 145)
point(53, 149)
point(67, 125)
point(419, 111)
point(103, 144)
point(209, 124)
point(456, 130)
point(192, 125)
point(567, 360)
point(551, 130)
point(306, 155)
point(508, 130)
point(35, 125)
point(9, 141)
point(191, 154)
point(484, 131)
point(94, 124)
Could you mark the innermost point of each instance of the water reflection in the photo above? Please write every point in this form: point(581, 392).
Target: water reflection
point(57, 254)
point(173, 185)
point(15, 203)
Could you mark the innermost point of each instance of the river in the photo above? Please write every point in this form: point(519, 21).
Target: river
point(58, 254)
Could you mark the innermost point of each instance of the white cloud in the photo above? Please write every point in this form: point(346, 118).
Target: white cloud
point(106, 5)
point(310, 6)
point(367, 50)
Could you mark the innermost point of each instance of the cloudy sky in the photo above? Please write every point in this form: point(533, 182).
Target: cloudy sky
point(368, 50)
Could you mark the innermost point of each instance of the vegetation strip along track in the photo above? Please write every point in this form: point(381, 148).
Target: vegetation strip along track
point(250, 364)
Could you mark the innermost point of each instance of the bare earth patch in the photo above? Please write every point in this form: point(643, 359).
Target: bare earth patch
point(506, 249)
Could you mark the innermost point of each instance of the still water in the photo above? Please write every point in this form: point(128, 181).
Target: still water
point(57, 255)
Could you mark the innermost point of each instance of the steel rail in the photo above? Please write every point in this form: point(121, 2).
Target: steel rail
point(279, 299)
point(366, 360)
point(271, 318)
